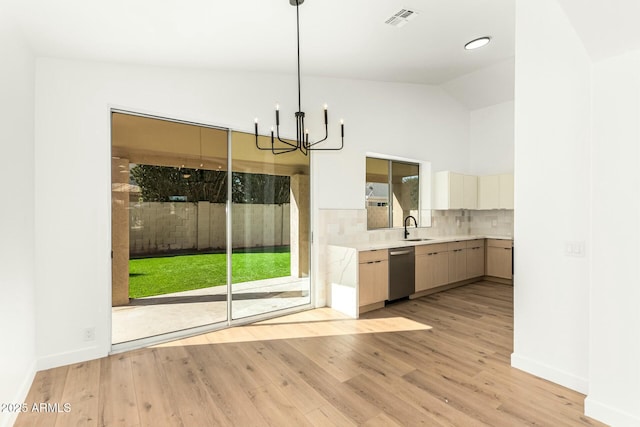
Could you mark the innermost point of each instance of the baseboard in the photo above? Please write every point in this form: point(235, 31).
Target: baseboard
point(71, 357)
point(365, 308)
point(550, 373)
point(444, 287)
point(8, 419)
point(609, 415)
point(498, 280)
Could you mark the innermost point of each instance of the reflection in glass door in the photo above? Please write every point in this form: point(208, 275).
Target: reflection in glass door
point(270, 229)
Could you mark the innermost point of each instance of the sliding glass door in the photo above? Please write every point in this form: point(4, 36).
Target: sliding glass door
point(205, 228)
point(270, 229)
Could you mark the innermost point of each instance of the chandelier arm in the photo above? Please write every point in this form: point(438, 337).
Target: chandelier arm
point(326, 135)
point(272, 148)
point(287, 143)
point(283, 150)
point(283, 141)
point(329, 149)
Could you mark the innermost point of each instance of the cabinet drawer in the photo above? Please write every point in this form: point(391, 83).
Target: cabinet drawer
point(496, 243)
point(478, 243)
point(431, 249)
point(370, 256)
point(455, 246)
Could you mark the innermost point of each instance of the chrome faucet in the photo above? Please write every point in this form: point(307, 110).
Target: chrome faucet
point(406, 233)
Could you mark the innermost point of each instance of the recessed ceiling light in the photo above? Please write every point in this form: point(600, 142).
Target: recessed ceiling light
point(479, 42)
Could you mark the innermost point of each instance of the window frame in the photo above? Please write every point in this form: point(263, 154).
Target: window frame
point(424, 185)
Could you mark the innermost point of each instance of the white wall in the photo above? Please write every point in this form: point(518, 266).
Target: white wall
point(614, 349)
point(491, 139)
point(552, 137)
point(72, 162)
point(17, 305)
point(485, 87)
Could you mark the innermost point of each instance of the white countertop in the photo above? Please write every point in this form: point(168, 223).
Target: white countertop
point(369, 246)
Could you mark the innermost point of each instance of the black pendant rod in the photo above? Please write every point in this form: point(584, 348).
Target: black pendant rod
point(298, 37)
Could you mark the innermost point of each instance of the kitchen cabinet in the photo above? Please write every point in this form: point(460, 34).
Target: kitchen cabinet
point(373, 276)
point(469, 192)
point(457, 261)
point(495, 191)
point(432, 266)
point(499, 258)
point(506, 191)
point(455, 191)
point(475, 258)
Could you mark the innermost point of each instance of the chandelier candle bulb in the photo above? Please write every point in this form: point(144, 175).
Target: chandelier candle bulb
point(325, 114)
point(342, 127)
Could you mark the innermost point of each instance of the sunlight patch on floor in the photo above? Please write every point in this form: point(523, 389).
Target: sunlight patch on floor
point(308, 324)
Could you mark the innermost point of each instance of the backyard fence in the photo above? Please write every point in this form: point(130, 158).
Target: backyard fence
point(157, 227)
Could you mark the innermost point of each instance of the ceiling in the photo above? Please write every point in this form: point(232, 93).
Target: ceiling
point(606, 27)
point(344, 39)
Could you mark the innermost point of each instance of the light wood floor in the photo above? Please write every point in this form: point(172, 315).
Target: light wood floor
point(387, 369)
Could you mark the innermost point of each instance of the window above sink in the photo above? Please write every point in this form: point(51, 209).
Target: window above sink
point(396, 188)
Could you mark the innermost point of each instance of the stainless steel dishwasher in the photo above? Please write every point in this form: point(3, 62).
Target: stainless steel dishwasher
point(402, 276)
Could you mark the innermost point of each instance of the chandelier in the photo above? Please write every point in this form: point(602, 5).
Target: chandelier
point(280, 146)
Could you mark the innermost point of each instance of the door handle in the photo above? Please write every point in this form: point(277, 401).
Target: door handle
point(399, 253)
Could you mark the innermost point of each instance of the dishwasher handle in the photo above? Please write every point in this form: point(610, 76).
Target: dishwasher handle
point(392, 253)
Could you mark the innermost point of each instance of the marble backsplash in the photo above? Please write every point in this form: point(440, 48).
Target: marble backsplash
point(492, 222)
point(348, 226)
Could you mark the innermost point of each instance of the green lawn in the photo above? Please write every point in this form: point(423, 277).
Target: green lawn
point(163, 275)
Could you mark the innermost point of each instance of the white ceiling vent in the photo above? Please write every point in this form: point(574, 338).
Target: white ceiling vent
point(401, 17)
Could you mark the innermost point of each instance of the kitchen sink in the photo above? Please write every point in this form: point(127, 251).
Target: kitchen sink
point(416, 240)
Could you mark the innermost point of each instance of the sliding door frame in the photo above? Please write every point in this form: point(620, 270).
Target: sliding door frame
point(197, 330)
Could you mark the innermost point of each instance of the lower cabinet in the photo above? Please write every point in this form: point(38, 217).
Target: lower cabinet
point(432, 266)
point(499, 258)
point(373, 280)
point(457, 261)
point(436, 264)
point(475, 258)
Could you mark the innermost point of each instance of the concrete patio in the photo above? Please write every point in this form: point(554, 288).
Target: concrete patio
point(161, 314)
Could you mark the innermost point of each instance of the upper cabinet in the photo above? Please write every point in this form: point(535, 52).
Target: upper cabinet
point(455, 191)
point(495, 191)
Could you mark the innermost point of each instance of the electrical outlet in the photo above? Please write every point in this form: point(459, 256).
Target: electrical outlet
point(89, 334)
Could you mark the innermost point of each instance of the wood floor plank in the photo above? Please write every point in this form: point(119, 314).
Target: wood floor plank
point(382, 420)
point(81, 390)
point(298, 391)
point(276, 408)
point(329, 416)
point(118, 405)
point(440, 360)
point(223, 379)
point(339, 395)
point(47, 387)
point(194, 404)
point(156, 404)
point(398, 409)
